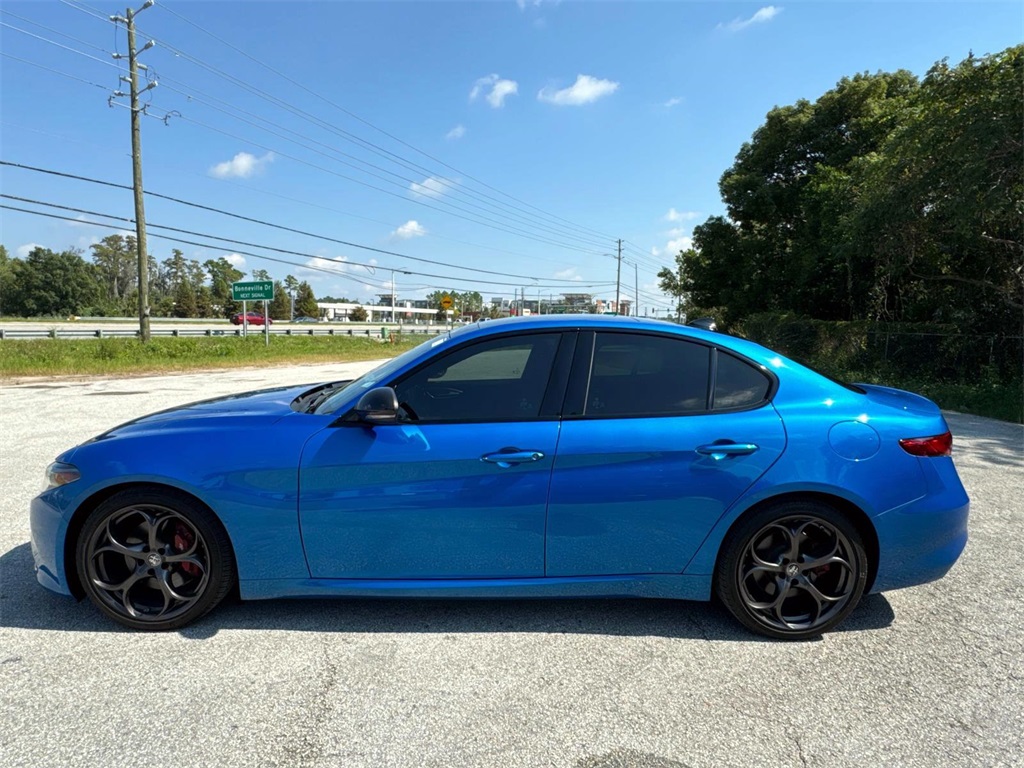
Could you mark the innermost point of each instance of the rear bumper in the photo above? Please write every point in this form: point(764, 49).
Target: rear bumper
point(48, 529)
point(920, 542)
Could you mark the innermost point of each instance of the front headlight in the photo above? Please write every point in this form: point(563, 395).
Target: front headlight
point(59, 473)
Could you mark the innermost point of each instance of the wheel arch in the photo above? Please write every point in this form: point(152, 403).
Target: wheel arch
point(847, 508)
point(78, 518)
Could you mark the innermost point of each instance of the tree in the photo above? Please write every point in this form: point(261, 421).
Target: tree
point(222, 274)
point(939, 205)
point(117, 259)
point(358, 315)
point(185, 304)
point(281, 304)
point(291, 285)
point(6, 276)
point(46, 283)
point(886, 198)
point(673, 282)
point(305, 301)
point(260, 274)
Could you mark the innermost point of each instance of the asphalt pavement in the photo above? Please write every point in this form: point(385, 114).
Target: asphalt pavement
point(929, 676)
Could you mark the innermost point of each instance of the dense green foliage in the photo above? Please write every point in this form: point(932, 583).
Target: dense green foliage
point(888, 198)
point(876, 234)
point(50, 284)
point(960, 371)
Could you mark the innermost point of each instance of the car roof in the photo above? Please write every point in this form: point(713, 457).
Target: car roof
point(746, 348)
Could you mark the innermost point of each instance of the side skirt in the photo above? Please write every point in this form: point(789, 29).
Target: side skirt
point(675, 586)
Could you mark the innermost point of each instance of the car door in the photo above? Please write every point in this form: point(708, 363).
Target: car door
point(459, 490)
point(647, 460)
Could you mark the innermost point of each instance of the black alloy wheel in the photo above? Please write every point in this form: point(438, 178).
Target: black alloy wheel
point(792, 571)
point(153, 559)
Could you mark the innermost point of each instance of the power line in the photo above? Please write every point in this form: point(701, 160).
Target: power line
point(215, 247)
point(481, 220)
point(267, 223)
point(363, 143)
point(261, 123)
point(351, 114)
point(347, 262)
point(54, 71)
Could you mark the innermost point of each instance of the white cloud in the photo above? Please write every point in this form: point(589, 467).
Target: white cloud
point(80, 221)
point(24, 250)
point(409, 230)
point(585, 90)
point(675, 101)
point(568, 274)
point(681, 243)
point(674, 215)
point(495, 89)
point(430, 187)
point(535, 3)
point(236, 260)
point(763, 16)
point(241, 166)
point(456, 133)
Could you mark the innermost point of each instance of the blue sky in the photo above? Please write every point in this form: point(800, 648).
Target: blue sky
point(586, 121)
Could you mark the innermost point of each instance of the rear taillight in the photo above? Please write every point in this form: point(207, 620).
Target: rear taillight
point(938, 445)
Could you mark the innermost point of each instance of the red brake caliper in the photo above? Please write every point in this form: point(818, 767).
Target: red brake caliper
point(183, 540)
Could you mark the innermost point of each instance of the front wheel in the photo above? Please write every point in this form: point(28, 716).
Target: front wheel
point(154, 560)
point(792, 571)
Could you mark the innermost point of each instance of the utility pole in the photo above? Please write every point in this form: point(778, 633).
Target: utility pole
point(636, 289)
point(618, 281)
point(136, 115)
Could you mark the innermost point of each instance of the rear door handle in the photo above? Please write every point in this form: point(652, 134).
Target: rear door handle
point(719, 451)
point(506, 458)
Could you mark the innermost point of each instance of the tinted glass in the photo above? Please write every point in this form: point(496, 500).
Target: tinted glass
point(636, 375)
point(496, 380)
point(738, 384)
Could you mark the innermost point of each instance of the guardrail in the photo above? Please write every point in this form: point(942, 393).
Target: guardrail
point(109, 333)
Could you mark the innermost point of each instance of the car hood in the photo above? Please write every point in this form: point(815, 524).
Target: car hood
point(261, 406)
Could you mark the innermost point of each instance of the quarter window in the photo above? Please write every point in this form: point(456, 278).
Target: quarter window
point(638, 375)
point(738, 384)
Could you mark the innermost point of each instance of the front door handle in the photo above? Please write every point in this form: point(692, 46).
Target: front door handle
point(719, 451)
point(508, 457)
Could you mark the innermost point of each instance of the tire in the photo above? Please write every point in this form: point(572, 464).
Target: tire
point(154, 559)
point(793, 570)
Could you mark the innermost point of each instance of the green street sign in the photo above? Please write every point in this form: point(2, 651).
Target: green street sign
point(256, 290)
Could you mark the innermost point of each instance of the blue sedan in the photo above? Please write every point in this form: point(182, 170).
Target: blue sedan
point(567, 456)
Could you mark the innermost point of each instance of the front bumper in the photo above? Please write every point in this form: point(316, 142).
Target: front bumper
point(48, 530)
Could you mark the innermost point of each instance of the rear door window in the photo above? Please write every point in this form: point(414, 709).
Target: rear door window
point(637, 375)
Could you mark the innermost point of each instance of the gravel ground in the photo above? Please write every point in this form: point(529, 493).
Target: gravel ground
point(930, 676)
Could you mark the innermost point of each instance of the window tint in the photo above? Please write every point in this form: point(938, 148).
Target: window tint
point(637, 375)
point(738, 384)
point(496, 380)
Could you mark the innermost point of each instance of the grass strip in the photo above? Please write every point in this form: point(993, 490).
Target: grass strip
point(77, 357)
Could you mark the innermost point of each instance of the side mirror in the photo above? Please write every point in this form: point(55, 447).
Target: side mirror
point(378, 406)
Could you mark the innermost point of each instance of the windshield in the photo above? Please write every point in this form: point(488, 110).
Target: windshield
point(381, 373)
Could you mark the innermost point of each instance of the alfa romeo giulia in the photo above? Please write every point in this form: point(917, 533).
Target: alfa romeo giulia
point(569, 456)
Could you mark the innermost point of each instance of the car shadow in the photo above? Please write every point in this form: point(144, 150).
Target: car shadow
point(26, 605)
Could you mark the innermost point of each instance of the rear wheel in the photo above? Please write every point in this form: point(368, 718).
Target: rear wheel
point(793, 570)
point(153, 559)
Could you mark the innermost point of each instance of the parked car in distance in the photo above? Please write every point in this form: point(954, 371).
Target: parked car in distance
point(306, 319)
point(558, 455)
point(252, 318)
